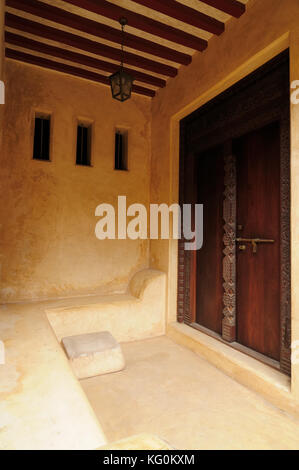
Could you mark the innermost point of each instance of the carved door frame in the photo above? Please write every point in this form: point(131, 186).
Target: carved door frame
point(258, 100)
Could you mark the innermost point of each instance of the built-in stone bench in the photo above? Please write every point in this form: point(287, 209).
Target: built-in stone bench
point(137, 314)
point(42, 406)
point(93, 354)
point(39, 391)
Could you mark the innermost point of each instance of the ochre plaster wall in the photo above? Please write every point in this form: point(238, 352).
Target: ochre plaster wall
point(47, 211)
point(1, 59)
point(1, 37)
point(266, 29)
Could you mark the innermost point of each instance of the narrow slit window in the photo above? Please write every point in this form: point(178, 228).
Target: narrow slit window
point(121, 150)
point(41, 148)
point(83, 145)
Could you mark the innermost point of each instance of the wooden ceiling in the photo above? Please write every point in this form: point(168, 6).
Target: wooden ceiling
point(83, 37)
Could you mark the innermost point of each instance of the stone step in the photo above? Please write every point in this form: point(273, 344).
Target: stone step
point(93, 354)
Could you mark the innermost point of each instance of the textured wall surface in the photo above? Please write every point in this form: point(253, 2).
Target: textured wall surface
point(1, 59)
point(47, 211)
point(1, 37)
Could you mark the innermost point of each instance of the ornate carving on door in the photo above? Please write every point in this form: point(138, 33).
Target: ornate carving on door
point(229, 241)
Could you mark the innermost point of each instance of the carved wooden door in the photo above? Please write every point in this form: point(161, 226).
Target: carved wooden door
point(249, 169)
point(258, 240)
point(238, 165)
point(209, 280)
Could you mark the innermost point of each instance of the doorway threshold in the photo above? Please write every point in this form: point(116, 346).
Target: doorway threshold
point(239, 347)
point(267, 381)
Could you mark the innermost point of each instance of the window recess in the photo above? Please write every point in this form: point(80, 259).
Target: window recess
point(121, 150)
point(42, 129)
point(83, 154)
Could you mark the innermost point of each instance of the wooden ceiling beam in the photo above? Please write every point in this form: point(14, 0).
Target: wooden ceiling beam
point(21, 41)
point(57, 15)
point(141, 22)
point(64, 68)
point(231, 7)
point(185, 14)
point(79, 42)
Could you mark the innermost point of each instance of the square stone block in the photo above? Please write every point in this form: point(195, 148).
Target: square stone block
point(93, 354)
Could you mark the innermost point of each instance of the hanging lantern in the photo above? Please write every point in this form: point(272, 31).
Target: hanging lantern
point(121, 82)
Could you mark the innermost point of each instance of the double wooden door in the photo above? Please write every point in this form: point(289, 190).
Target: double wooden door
point(257, 239)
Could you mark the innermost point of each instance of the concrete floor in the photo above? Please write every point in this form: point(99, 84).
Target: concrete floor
point(171, 392)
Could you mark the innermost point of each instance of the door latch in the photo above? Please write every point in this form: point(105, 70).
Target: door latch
point(254, 242)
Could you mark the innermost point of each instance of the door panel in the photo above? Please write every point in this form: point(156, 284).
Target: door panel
point(209, 289)
point(258, 212)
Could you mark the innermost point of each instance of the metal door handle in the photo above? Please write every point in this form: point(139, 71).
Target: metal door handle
point(254, 242)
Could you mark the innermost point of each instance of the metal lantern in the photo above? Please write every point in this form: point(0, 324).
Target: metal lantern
point(121, 82)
